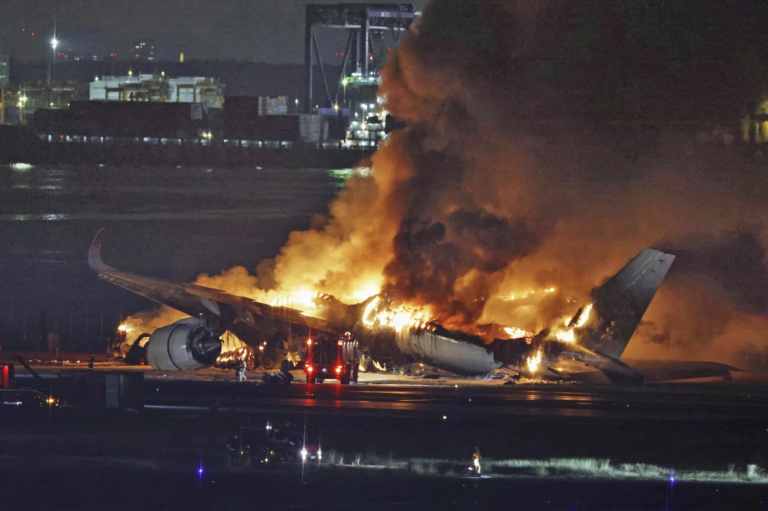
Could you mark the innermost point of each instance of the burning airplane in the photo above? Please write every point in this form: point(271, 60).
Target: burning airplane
point(585, 347)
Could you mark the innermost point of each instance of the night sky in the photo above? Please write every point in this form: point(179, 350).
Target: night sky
point(254, 30)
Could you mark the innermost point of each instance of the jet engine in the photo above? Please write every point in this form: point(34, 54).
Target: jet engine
point(185, 345)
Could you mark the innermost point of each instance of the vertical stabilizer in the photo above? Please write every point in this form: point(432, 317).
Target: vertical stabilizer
point(621, 302)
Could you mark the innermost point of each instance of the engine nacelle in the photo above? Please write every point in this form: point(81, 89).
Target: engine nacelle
point(185, 345)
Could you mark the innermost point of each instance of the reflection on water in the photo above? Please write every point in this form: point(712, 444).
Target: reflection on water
point(186, 181)
point(144, 194)
point(169, 222)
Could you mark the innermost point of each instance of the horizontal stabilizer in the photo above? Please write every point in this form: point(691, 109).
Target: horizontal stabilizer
point(655, 371)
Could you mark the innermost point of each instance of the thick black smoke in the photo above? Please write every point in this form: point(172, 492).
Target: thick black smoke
point(544, 149)
point(430, 261)
point(733, 264)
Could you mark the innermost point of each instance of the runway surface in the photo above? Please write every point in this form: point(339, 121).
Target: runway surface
point(473, 401)
point(189, 417)
point(745, 399)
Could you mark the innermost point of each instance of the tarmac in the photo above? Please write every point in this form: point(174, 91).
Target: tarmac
point(375, 428)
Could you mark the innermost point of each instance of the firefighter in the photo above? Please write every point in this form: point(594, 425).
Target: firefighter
point(476, 457)
point(91, 361)
point(240, 369)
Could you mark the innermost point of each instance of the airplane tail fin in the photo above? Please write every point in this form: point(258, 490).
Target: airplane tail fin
point(621, 302)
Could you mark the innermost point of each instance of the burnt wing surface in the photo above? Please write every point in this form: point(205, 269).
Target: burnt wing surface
point(196, 300)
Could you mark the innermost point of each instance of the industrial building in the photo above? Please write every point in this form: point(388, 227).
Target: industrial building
point(373, 30)
point(152, 121)
point(247, 122)
point(158, 88)
point(160, 123)
point(144, 51)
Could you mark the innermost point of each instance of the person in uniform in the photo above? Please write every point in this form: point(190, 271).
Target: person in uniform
point(476, 457)
point(240, 369)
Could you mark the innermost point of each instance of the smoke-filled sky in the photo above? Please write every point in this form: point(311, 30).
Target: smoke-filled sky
point(505, 181)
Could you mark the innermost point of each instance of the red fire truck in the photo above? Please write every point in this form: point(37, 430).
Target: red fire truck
point(328, 358)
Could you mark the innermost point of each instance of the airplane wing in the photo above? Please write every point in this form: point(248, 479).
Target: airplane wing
point(196, 300)
point(655, 371)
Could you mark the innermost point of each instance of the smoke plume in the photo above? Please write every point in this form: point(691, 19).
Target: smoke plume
point(503, 184)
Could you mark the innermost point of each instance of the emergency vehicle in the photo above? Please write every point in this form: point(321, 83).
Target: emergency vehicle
point(328, 358)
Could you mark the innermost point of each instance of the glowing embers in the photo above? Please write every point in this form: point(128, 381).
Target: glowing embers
point(378, 314)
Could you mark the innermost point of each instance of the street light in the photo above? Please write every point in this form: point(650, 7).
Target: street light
point(52, 60)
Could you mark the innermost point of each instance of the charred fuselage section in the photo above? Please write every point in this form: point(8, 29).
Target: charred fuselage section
point(586, 347)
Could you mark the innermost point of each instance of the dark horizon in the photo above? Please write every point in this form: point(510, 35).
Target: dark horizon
point(270, 32)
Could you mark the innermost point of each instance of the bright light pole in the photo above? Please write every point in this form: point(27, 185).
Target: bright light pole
point(54, 45)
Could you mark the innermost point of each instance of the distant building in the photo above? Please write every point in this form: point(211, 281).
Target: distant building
point(144, 51)
point(273, 105)
point(5, 70)
point(158, 88)
point(31, 98)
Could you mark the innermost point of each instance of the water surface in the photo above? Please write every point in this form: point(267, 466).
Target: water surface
point(168, 222)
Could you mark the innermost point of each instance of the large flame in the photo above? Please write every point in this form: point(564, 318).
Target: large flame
point(517, 333)
point(378, 315)
point(530, 292)
point(568, 333)
point(534, 361)
point(498, 187)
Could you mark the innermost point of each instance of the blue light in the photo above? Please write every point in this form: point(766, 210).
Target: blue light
point(200, 471)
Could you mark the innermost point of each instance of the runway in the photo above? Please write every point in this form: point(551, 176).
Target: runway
point(471, 401)
point(745, 399)
point(189, 417)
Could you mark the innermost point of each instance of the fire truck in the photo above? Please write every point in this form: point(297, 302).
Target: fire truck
point(329, 358)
